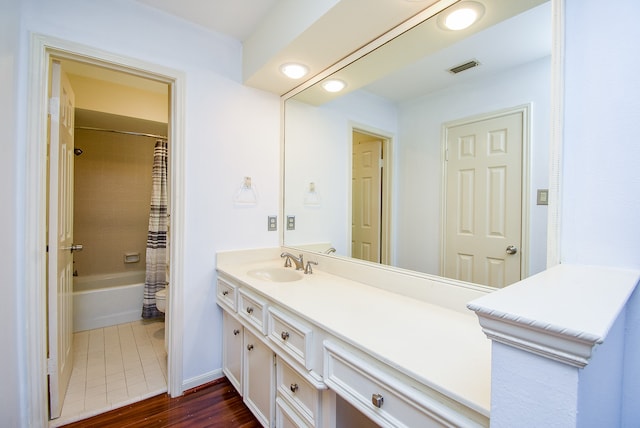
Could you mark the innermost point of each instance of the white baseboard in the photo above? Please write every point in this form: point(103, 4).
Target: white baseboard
point(202, 379)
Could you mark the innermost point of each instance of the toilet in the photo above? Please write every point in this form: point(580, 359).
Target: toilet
point(161, 300)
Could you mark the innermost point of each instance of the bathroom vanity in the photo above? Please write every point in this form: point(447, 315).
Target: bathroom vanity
point(401, 349)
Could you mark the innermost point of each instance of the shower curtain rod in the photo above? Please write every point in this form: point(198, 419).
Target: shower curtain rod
point(138, 134)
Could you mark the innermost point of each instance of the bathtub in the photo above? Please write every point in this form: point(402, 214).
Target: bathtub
point(107, 299)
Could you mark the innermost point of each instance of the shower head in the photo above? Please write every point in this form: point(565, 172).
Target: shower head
point(77, 151)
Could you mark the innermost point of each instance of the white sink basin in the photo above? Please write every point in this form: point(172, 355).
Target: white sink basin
point(276, 274)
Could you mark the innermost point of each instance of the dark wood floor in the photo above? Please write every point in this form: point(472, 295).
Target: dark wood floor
point(216, 404)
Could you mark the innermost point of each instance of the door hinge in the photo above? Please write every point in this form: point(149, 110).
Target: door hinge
point(380, 163)
point(52, 366)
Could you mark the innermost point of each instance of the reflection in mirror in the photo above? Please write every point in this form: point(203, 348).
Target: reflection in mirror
point(423, 202)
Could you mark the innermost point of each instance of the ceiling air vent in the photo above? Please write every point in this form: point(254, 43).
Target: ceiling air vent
point(462, 67)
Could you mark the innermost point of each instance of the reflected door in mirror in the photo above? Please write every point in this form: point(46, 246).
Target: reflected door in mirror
point(484, 200)
point(366, 200)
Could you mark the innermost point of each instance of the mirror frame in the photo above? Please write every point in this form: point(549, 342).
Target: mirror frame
point(555, 143)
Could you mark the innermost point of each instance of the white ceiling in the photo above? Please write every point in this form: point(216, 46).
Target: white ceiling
point(508, 44)
point(241, 18)
point(235, 18)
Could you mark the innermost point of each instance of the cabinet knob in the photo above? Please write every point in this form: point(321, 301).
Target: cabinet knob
point(294, 387)
point(284, 335)
point(249, 347)
point(249, 310)
point(225, 292)
point(377, 400)
point(236, 332)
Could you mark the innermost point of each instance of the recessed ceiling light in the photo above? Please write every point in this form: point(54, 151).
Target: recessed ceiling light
point(334, 85)
point(461, 15)
point(293, 70)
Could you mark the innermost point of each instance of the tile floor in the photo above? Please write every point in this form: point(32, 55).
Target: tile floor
point(114, 366)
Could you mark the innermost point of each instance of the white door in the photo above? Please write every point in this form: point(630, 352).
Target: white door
point(483, 213)
point(60, 238)
point(366, 200)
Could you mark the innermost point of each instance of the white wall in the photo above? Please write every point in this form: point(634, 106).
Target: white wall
point(318, 149)
point(12, 246)
point(231, 131)
point(419, 157)
point(601, 182)
point(600, 186)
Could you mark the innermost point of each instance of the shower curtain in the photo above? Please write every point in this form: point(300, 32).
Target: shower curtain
point(156, 274)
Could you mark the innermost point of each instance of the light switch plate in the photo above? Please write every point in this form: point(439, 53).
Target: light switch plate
point(543, 196)
point(291, 222)
point(272, 223)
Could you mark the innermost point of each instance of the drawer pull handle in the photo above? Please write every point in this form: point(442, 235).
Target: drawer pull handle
point(377, 400)
point(236, 332)
point(294, 387)
point(249, 347)
point(225, 292)
point(249, 310)
point(284, 335)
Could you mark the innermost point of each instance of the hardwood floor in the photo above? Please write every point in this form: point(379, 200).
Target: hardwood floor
point(216, 404)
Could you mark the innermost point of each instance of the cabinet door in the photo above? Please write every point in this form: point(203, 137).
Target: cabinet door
point(259, 390)
point(232, 336)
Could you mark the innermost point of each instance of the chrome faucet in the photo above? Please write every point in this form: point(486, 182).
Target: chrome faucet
point(330, 250)
point(307, 269)
point(298, 261)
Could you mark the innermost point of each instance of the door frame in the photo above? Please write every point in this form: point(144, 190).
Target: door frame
point(387, 255)
point(525, 110)
point(42, 49)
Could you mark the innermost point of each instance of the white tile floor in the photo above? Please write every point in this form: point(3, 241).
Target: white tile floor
point(115, 366)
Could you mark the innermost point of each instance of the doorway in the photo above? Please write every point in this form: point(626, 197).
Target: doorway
point(370, 196)
point(100, 195)
point(485, 192)
point(43, 50)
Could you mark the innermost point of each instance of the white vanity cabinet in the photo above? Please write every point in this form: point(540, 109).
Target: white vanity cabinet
point(261, 346)
point(258, 376)
point(232, 350)
point(297, 358)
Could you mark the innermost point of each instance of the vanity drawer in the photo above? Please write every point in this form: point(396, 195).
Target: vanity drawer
point(292, 335)
point(376, 393)
point(286, 417)
point(299, 393)
point(253, 309)
point(227, 294)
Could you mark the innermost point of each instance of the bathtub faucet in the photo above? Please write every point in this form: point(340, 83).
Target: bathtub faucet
point(298, 261)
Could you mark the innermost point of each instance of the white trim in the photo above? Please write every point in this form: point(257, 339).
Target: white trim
point(525, 110)
point(202, 379)
point(42, 47)
point(562, 313)
point(554, 225)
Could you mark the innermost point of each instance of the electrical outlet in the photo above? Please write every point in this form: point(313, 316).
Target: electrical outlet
point(291, 222)
point(272, 223)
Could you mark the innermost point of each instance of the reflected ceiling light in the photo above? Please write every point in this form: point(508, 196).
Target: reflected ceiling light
point(293, 70)
point(461, 16)
point(334, 85)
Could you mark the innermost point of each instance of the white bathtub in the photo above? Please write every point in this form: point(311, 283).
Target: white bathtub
point(106, 300)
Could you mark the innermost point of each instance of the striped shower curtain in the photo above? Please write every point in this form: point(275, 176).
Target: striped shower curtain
point(156, 275)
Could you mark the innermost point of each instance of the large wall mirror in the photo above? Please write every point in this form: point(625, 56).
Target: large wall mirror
point(420, 167)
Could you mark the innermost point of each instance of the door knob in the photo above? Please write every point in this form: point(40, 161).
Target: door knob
point(511, 249)
point(73, 247)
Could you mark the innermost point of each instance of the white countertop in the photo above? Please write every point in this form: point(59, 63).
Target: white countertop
point(439, 347)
